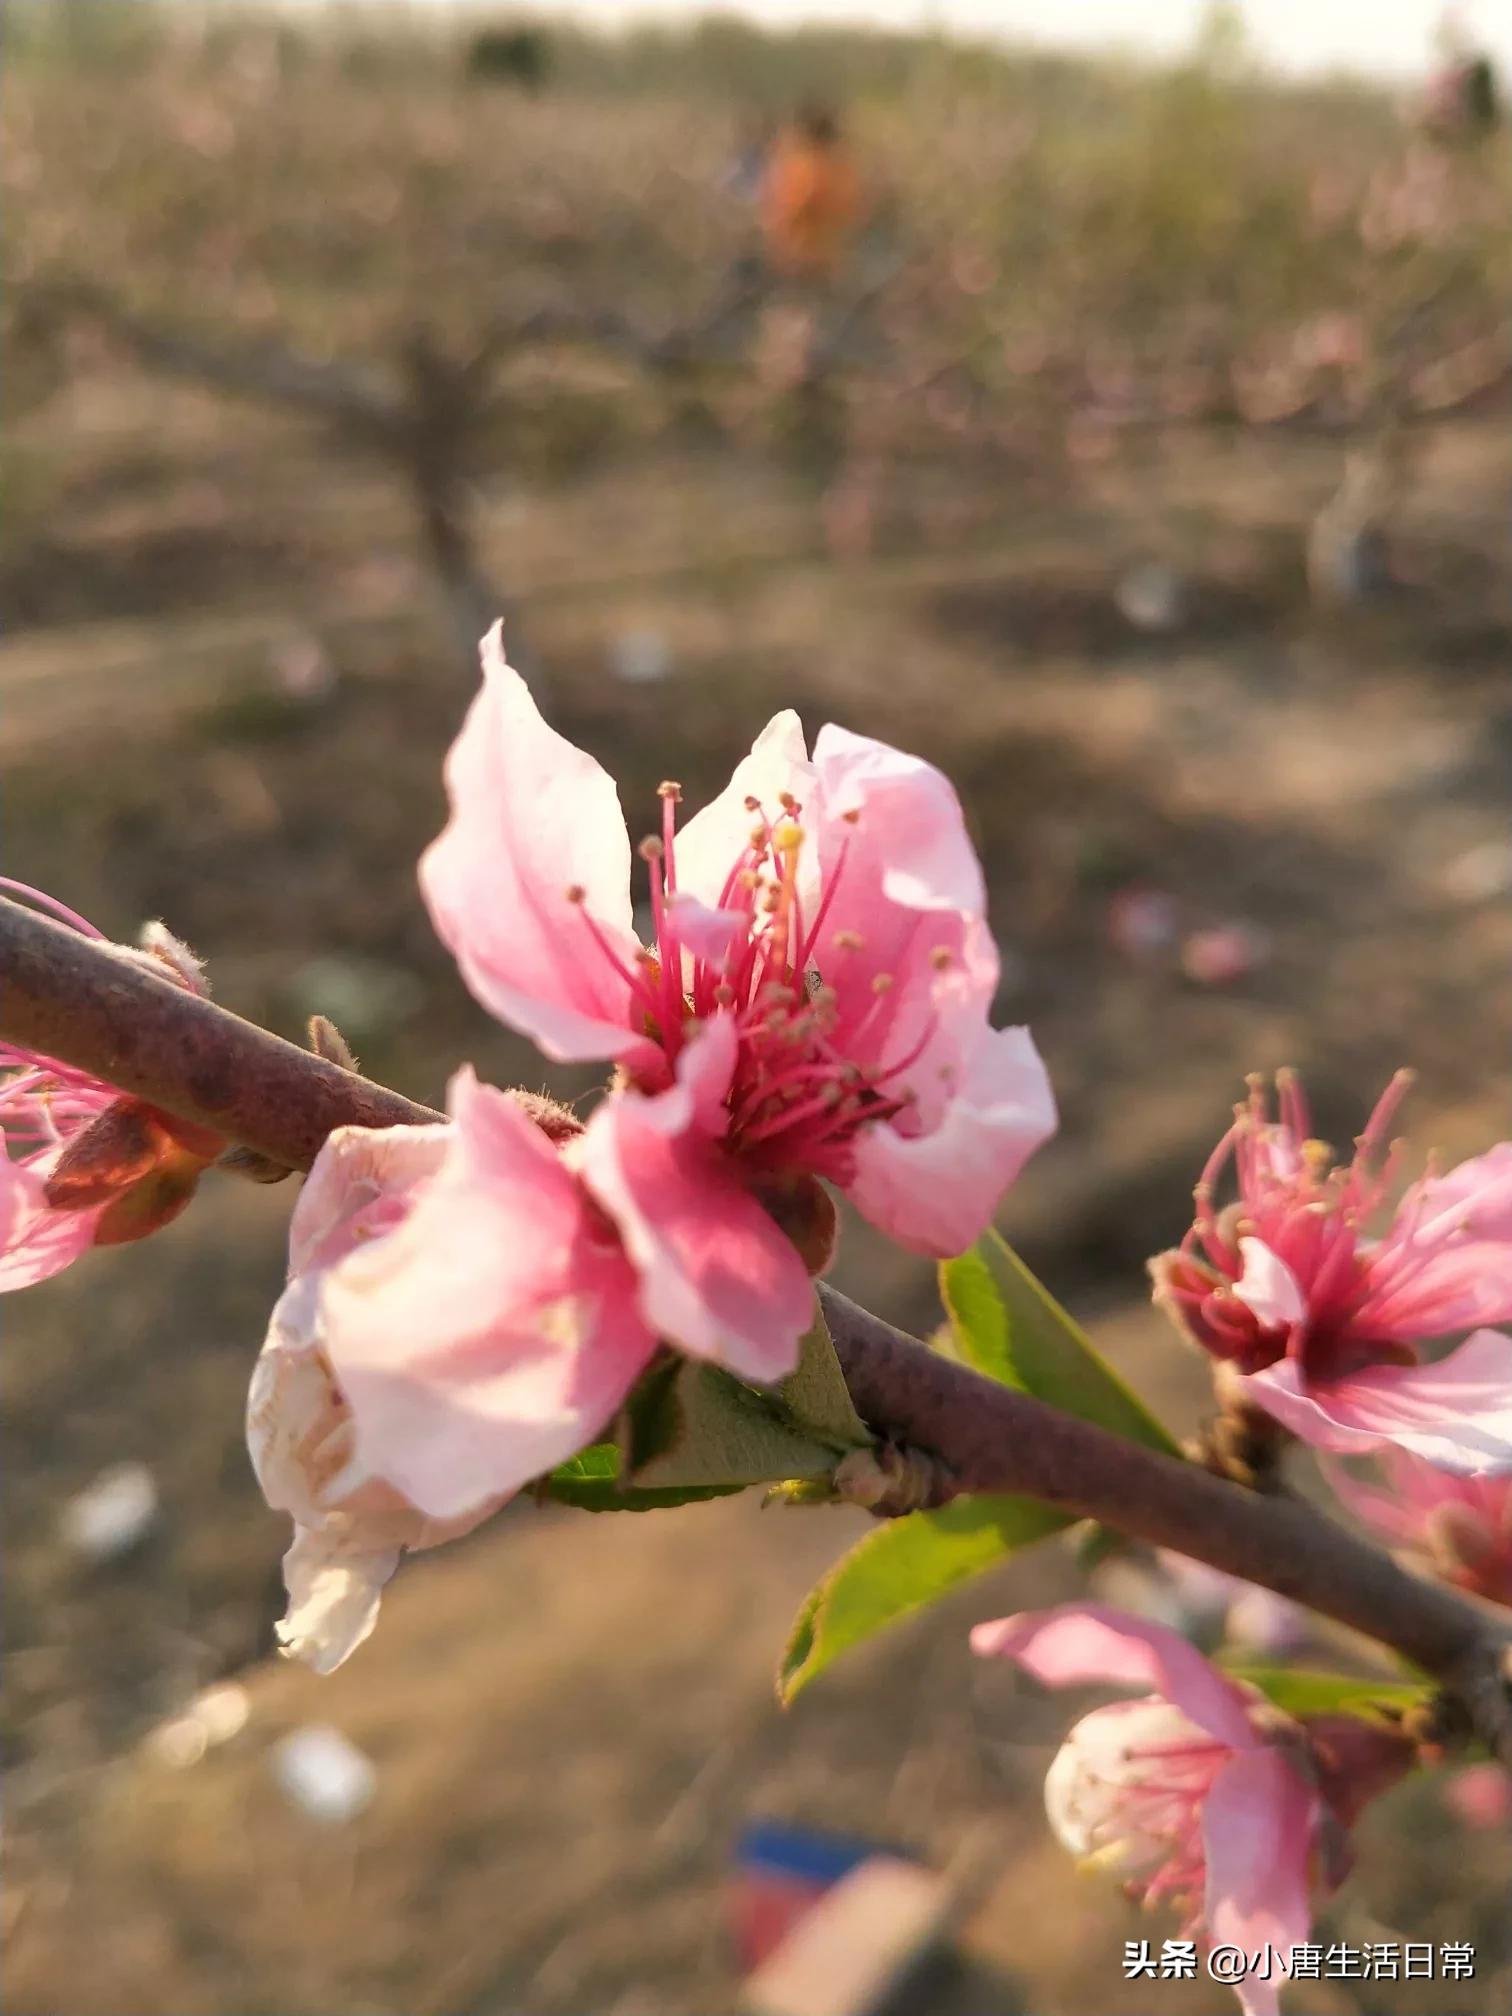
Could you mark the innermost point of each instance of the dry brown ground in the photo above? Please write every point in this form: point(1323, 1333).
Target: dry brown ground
point(572, 1718)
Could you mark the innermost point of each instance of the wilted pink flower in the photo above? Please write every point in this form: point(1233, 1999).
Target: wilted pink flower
point(814, 1003)
point(1460, 1527)
point(1200, 1794)
point(84, 1164)
point(459, 1319)
point(1322, 1320)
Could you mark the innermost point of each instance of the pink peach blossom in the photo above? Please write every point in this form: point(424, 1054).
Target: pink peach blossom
point(1480, 1796)
point(1460, 1527)
point(83, 1164)
point(1199, 1794)
point(1323, 1322)
point(459, 1319)
point(814, 1003)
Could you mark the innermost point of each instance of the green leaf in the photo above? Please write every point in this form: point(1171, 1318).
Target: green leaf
point(1298, 1692)
point(898, 1568)
point(591, 1482)
point(978, 1319)
point(706, 1428)
point(596, 1465)
point(816, 1395)
point(1008, 1325)
point(1005, 1325)
point(690, 1431)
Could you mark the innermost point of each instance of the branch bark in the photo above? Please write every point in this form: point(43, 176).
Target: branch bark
point(74, 999)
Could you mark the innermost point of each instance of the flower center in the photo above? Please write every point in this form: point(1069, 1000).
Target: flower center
point(806, 1000)
point(1311, 1212)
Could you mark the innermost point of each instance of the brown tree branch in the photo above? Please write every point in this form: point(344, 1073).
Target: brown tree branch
point(73, 999)
point(352, 398)
point(998, 1440)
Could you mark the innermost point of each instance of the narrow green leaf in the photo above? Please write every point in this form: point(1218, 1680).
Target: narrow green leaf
point(590, 1481)
point(978, 1319)
point(816, 1395)
point(898, 1568)
point(1298, 1692)
point(1008, 1325)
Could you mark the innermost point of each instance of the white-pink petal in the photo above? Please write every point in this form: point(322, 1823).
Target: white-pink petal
point(362, 1184)
point(1456, 1413)
point(910, 819)
point(712, 842)
point(937, 1192)
point(1257, 1826)
point(1268, 1287)
point(532, 818)
point(349, 1528)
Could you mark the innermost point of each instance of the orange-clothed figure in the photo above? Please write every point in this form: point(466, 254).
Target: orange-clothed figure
point(810, 199)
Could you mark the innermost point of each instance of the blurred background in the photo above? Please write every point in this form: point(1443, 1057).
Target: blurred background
point(1129, 437)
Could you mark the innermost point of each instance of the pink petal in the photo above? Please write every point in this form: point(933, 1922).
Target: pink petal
point(910, 817)
point(705, 933)
point(1268, 1287)
point(717, 1277)
point(1480, 1795)
point(1456, 1413)
point(1257, 1827)
point(713, 840)
point(1466, 1285)
point(363, 1183)
point(494, 1332)
point(38, 1241)
point(531, 818)
point(1475, 1197)
point(938, 1191)
point(1085, 1644)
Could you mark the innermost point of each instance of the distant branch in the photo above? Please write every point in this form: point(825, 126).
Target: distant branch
point(338, 392)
